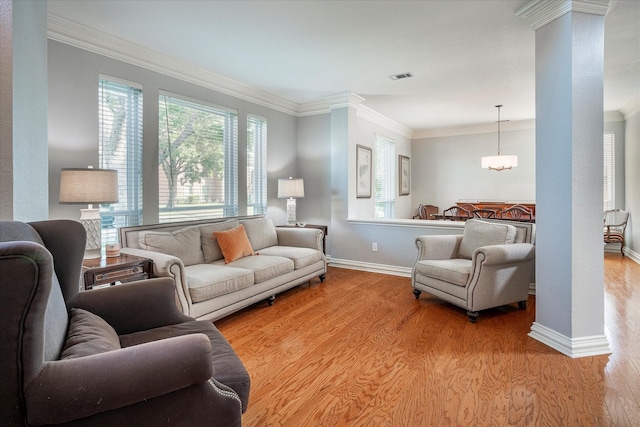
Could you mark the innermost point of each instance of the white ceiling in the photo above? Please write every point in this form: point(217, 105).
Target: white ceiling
point(466, 56)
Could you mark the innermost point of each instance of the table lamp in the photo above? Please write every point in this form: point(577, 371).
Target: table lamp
point(90, 186)
point(291, 189)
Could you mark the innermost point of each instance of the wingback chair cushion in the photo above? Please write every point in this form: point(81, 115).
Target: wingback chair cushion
point(88, 334)
point(479, 233)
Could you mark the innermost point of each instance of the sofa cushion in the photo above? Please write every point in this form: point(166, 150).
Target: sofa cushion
point(207, 281)
point(88, 334)
point(264, 267)
point(234, 243)
point(210, 247)
point(301, 257)
point(183, 244)
point(480, 233)
point(261, 233)
point(454, 271)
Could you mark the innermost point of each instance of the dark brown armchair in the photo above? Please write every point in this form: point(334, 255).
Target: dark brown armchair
point(119, 356)
point(517, 213)
point(456, 213)
point(426, 212)
point(484, 213)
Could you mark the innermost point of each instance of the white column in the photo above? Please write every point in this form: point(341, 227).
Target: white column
point(569, 159)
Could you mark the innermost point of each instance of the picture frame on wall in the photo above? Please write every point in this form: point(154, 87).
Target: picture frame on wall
point(364, 165)
point(404, 175)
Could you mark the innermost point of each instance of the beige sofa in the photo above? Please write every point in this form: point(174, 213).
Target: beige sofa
point(490, 265)
point(206, 286)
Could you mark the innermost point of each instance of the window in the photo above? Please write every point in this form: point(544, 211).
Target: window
point(197, 160)
point(609, 171)
point(256, 165)
point(120, 148)
point(385, 177)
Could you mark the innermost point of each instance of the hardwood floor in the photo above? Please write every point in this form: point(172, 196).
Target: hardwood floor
point(359, 350)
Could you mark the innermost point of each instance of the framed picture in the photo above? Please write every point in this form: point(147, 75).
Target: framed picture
point(364, 164)
point(404, 175)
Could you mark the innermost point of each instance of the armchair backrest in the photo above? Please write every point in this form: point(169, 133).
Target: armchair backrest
point(33, 313)
point(616, 218)
point(478, 233)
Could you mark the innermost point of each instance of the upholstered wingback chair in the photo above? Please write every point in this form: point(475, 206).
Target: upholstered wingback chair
point(481, 269)
point(119, 356)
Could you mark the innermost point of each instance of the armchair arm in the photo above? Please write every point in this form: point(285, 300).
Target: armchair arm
point(134, 306)
point(300, 237)
point(504, 254)
point(168, 266)
point(70, 389)
point(438, 246)
point(500, 274)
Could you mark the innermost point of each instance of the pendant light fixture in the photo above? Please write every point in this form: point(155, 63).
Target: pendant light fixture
point(499, 162)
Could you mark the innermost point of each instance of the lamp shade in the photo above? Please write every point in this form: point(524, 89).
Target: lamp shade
point(291, 188)
point(88, 186)
point(500, 162)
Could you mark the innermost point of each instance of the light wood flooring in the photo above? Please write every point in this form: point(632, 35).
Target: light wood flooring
point(359, 350)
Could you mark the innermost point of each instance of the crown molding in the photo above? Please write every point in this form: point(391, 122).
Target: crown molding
point(474, 129)
point(373, 116)
point(631, 108)
point(342, 100)
point(83, 37)
point(539, 13)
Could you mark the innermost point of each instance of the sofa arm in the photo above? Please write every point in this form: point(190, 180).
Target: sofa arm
point(70, 389)
point(300, 237)
point(438, 246)
point(134, 306)
point(168, 266)
point(504, 254)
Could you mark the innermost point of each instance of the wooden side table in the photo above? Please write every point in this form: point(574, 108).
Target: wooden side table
point(123, 268)
point(324, 229)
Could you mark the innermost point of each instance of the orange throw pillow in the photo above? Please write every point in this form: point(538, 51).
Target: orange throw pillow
point(234, 243)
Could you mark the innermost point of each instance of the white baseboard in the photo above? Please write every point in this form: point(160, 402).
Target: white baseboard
point(632, 255)
point(572, 347)
point(393, 270)
point(385, 269)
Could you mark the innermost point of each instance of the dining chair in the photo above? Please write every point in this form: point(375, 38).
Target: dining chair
point(615, 222)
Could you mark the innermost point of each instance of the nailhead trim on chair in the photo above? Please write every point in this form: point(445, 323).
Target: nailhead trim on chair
point(225, 393)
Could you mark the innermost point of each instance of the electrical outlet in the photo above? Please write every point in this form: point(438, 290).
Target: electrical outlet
point(374, 247)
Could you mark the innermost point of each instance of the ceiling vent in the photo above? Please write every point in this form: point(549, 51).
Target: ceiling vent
point(400, 76)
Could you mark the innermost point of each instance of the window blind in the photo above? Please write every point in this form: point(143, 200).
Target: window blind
point(120, 148)
point(256, 165)
point(197, 160)
point(609, 171)
point(385, 177)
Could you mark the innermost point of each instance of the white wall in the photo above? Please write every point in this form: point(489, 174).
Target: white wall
point(23, 108)
point(366, 131)
point(446, 169)
point(73, 126)
point(632, 182)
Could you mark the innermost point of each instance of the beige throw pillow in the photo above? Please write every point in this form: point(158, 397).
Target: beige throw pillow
point(183, 243)
point(210, 246)
point(261, 233)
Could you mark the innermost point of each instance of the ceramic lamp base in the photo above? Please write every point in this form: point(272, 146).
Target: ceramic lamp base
point(291, 211)
point(90, 219)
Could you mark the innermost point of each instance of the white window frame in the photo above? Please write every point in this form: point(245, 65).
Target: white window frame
point(256, 165)
point(125, 157)
point(203, 207)
point(385, 174)
point(609, 172)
